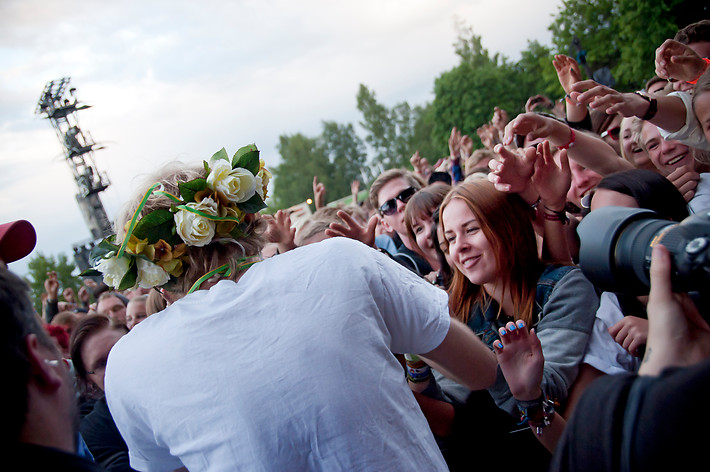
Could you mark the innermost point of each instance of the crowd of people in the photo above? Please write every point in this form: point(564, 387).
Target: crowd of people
point(442, 323)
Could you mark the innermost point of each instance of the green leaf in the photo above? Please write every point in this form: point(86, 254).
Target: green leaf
point(253, 205)
point(221, 154)
point(129, 280)
point(104, 250)
point(90, 273)
point(157, 225)
point(247, 158)
point(189, 189)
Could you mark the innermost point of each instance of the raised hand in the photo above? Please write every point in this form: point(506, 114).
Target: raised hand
point(68, 294)
point(279, 230)
point(454, 140)
point(552, 177)
point(511, 172)
point(351, 228)
point(500, 119)
point(675, 60)
point(519, 354)
point(318, 193)
point(606, 98)
point(466, 146)
point(51, 285)
point(568, 71)
point(530, 125)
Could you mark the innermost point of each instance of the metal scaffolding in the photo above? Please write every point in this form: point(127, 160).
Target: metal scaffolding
point(59, 104)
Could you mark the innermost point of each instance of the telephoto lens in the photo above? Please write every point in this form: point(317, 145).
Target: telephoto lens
point(616, 244)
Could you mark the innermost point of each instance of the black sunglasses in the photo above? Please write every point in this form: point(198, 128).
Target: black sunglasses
point(390, 206)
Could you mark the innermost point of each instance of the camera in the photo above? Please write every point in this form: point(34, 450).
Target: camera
point(616, 244)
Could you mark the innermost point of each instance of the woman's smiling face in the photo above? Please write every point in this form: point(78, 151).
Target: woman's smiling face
point(469, 249)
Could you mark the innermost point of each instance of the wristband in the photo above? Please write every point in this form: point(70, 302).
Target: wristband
point(553, 215)
point(707, 62)
point(538, 413)
point(417, 370)
point(652, 106)
point(570, 143)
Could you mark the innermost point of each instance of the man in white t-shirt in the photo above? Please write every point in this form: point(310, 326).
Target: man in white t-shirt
point(290, 368)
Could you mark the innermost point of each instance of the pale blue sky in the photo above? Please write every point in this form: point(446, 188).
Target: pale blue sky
point(180, 79)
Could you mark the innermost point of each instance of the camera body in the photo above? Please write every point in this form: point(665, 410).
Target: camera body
point(616, 244)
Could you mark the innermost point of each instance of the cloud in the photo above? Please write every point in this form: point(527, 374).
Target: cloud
point(181, 79)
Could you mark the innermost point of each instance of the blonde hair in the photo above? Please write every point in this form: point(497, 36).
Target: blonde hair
point(200, 260)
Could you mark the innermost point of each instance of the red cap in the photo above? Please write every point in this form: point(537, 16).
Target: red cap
point(17, 239)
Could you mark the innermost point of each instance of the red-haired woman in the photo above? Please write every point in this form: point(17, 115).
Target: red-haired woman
point(498, 278)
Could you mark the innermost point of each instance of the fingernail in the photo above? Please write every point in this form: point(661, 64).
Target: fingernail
point(499, 344)
point(521, 324)
point(512, 328)
point(502, 332)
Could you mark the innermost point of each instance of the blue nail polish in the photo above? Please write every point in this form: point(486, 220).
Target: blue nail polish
point(512, 328)
point(521, 324)
point(499, 345)
point(502, 331)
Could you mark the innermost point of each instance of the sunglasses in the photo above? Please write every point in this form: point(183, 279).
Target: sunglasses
point(390, 206)
point(613, 133)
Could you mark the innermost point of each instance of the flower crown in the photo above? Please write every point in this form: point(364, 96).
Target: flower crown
point(209, 209)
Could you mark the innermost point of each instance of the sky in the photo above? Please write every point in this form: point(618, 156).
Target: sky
point(179, 80)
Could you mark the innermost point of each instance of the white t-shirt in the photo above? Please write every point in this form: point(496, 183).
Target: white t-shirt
point(701, 200)
point(291, 368)
point(603, 352)
point(691, 134)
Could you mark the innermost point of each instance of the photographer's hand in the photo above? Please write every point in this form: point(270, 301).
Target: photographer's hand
point(677, 334)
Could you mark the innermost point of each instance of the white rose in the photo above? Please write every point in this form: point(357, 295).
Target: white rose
point(262, 182)
point(237, 185)
point(113, 270)
point(151, 275)
point(194, 229)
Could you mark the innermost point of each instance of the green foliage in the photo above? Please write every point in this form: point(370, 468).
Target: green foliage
point(466, 95)
point(346, 152)
point(619, 34)
point(336, 157)
point(388, 131)
point(39, 265)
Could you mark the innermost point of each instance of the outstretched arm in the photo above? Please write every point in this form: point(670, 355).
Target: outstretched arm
point(670, 114)
point(463, 357)
point(590, 151)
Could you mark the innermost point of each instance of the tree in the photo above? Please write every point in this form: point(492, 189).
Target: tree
point(301, 159)
point(336, 157)
point(39, 265)
point(390, 132)
point(466, 95)
point(346, 152)
point(620, 35)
